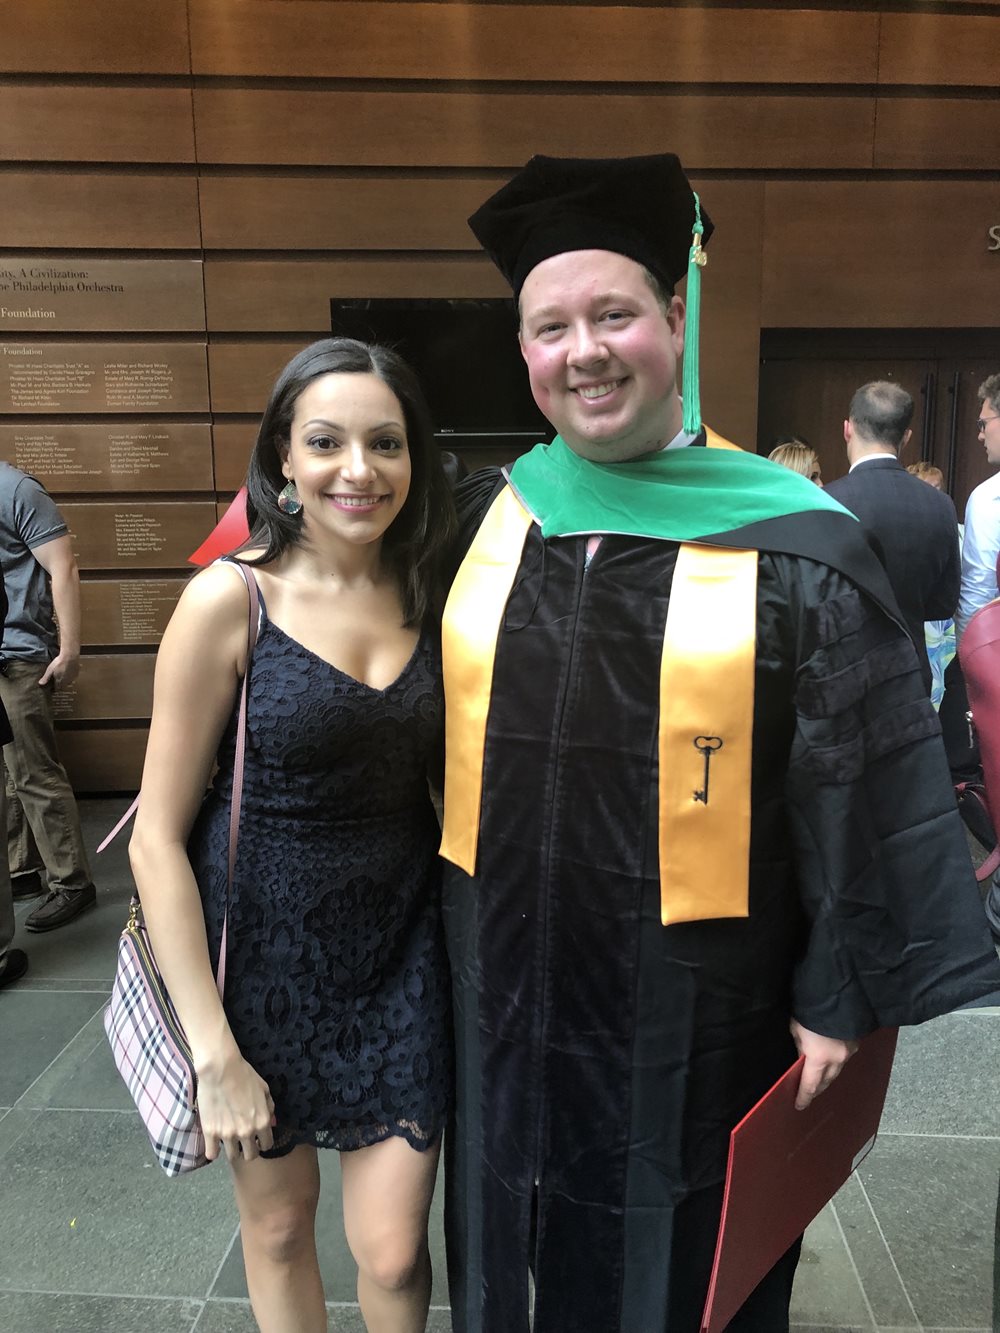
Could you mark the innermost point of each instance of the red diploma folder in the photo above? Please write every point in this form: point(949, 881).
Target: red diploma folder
point(785, 1165)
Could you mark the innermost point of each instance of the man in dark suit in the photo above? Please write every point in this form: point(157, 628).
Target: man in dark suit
point(915, 525)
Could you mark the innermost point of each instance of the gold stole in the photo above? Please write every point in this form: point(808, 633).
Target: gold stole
point(469, 631)
point(706, 710)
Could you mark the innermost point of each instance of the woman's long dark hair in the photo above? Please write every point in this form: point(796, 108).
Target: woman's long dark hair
point(417, 540)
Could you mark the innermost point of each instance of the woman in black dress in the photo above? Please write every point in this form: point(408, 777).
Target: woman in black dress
point(334, 1027)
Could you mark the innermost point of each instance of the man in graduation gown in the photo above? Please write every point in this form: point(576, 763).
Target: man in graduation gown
point(697, 811)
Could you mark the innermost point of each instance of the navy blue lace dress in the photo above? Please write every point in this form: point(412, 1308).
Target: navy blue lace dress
point(336, 982)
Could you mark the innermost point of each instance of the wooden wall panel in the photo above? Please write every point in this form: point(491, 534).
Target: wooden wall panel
point(340, 213)
point(536, 42)
point(74, 123)
point(102, 761)
point(493, 129)
point(64, 210)
point(126, 611)
point(233, 441)
point(109, 686)
point(137, 534)
point(112, 456)
point(287, 296)
point(731, 298)
point(41, 378)
point(937, 134)
point(242, 373)
point(94, 37)
point(84, 295)
point(954, 50)
point(880, 254)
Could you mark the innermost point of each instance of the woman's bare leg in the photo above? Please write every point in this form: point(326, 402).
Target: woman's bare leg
point(387, 1198)
point(277, 1199)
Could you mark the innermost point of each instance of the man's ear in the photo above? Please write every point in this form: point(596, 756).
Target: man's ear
point(905, 440)
point(677, 319)
point(848, 431)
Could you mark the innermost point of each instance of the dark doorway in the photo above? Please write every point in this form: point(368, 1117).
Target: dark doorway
point(807, 378)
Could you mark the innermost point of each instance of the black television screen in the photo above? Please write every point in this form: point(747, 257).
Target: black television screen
point(466, 356)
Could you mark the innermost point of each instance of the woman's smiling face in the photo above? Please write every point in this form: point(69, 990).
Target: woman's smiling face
point(348, 457)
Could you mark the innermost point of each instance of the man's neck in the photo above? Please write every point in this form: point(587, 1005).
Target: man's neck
point(859, 451)
point(680, 441)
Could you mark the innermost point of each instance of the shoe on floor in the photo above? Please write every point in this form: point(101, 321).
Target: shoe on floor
point(13, 967)
point(60, 908)
point(27, 886)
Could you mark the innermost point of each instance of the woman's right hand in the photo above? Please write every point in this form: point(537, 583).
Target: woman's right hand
point(234, 1107)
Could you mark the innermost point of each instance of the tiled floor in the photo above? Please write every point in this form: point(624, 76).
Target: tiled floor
point(96, 1240)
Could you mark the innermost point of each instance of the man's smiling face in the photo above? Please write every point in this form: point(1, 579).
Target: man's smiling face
point(602, 354)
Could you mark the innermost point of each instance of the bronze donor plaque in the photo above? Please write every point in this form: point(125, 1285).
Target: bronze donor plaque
point(101, 295)
point(112, 456)
point(138, 536)
point(133, 611)
point(114, 686)
point(37, 378)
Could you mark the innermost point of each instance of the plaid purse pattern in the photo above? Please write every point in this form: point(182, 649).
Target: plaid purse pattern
point(152, 1055)
point(147, 1041)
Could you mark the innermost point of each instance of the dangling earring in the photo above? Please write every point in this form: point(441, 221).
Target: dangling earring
point(288, 500)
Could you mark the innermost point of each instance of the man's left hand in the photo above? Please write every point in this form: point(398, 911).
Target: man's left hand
point(825, 1057)
point(62, 670)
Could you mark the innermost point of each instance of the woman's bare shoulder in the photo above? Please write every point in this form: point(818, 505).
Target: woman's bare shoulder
point(216, 594)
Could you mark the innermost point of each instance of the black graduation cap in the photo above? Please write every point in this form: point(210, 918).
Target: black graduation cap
point(641, 207)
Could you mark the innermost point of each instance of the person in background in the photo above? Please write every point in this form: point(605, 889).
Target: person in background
point(915, 525)
point(334, 1029)
point(39, 655)
point(980, 553)
point(925, 471)
point(939, 635)
point(677, 687)
point(948, 692)
point(13, 962)
point(798, 456)
point(981, 545)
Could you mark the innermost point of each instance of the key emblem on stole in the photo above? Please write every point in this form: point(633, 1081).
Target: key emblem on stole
point(707, 746)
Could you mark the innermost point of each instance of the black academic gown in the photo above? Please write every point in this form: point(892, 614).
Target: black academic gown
point(602, 1058)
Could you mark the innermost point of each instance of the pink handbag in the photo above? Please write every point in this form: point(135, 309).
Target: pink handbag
point(148, 1043)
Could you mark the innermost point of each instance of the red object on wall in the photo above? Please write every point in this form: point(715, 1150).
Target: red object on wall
point(230, 533)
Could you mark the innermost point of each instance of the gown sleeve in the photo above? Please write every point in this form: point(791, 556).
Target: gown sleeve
point(896, 933)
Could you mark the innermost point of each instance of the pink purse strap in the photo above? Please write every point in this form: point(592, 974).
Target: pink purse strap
point(236, 804)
